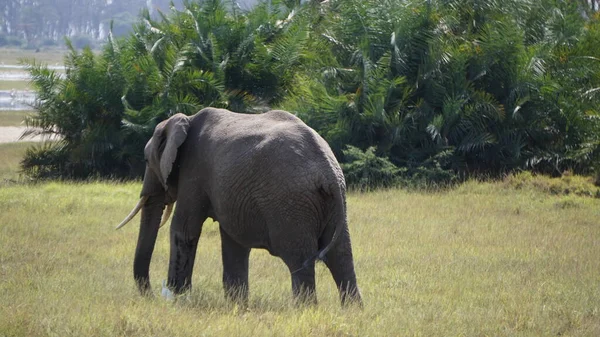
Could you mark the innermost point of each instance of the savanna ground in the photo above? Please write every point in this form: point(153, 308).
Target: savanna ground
point(14, 118)
point(14, 55)
point(15, 85)
point(483, 259)
point(511, 258)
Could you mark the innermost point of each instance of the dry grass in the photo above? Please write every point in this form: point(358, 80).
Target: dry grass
point(567, 184)
point(16, 85)
point(483, 259)
point(48, 56)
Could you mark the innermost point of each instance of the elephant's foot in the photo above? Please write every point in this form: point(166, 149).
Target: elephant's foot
point(350, 294)
point(167, 293)
point(144, 287)
point(303, 285)
point(171, 295)
point(237, 295)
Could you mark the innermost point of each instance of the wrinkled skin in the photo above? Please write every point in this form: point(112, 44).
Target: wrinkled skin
point(269, 180)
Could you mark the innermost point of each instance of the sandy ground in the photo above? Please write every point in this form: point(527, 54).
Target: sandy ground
point(9, 134)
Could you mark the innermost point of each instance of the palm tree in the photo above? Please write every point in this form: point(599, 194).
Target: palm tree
point(84, 109)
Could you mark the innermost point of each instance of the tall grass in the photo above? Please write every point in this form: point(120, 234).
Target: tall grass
point(483, 259)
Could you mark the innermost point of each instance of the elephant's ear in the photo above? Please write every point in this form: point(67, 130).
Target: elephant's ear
point(169, 135)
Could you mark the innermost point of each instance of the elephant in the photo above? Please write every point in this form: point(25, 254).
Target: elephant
point(269, 180)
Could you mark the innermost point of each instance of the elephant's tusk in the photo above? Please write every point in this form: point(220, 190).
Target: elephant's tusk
point(135, 211)
point(166, 215)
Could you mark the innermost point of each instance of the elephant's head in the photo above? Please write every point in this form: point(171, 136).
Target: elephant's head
point(159, 189)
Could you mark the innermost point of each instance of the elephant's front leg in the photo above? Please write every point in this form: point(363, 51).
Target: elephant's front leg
point(185, 233)
point(235, 268)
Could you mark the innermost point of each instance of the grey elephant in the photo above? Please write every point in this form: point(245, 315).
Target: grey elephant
point(269, 180)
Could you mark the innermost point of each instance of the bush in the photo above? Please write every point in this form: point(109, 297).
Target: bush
point(366, 171)
point(46, 161)
point(432, 173)
point(85, 110)
point(492, 92)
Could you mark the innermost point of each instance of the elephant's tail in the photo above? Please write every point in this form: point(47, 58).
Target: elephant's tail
point(338, 218)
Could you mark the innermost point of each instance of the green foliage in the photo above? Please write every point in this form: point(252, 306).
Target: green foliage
point(444, 89)
point(46, 162)
point(432, 173)
point(365, 171)
point(107, 106)
point(492, 86)
point(84, 109)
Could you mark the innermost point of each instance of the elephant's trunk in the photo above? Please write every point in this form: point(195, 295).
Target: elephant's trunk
point(149, 225)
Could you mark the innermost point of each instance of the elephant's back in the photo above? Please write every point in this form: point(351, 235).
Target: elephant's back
point(233, 137)
point(269, 163)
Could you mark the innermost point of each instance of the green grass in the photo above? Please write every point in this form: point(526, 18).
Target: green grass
point(483, 259)
point(14, 118)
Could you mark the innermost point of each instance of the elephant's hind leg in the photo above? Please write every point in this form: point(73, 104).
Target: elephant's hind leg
point(302, 269)
point(340, 263)
point(235, 269)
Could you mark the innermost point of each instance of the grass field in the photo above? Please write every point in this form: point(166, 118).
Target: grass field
point(16, 85)
point(48, 56)
point(10, 59)
point(484, 259)
point(14, 118)
point(11, 154)
point(511, 258)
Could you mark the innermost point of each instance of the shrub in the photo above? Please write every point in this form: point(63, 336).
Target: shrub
point(432, 173)
point(365, 170)
point(45, 161)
